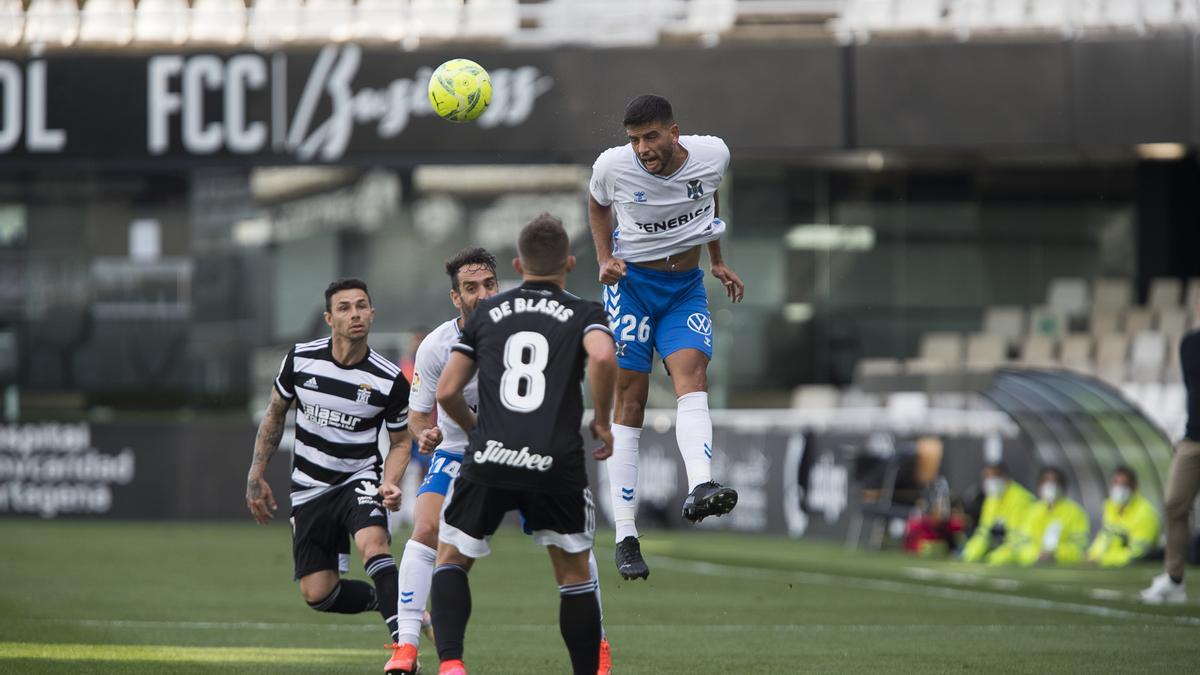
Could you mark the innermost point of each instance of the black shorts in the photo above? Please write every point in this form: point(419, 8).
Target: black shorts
point(323, 527)
point(474, 512)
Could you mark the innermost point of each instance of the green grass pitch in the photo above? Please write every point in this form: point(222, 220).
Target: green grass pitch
point(103, 597)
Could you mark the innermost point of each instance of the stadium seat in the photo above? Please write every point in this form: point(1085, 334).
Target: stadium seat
point(385, 20)
point(1147, 356)
point(1172, 372)
point(491, 19)
point(218, 21)
point(12, 22)
point(816, 397)
point(326, 20)
point(54, 22)
point(1009, 14)
point(706, 19)
point(1121, 14)
point(985, 351)
point(1160, 13)
point(434, 19)
point(1047, 321)
point(1172, 321)
point(1164, 292)
point(945, 348)
point(1069, 294)
point(1137, 319)
point(918, 15)
point(859, 18)
point(1112, 352)
point(608, 25)
point(866, 368)
point(1038, 351)
point(1053, 15)
point(106, 22)
point(1104, 321)
point(1112, 293)
point(274, 21)
point(1007, 321)
point(1075, 352)
point(162, 21)
point(967, 16)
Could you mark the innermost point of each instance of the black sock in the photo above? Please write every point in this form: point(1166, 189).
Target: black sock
point(450, 596)
point(1178, 580)
point(579, 623)
point(348, 597)
point(382, 568)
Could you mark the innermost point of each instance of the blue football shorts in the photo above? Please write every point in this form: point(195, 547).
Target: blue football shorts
point(652, 310)
point(443, 469)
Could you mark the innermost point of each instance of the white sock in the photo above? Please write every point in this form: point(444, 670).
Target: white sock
point(623, 479)
point(416, 575)
point(595, 572)
point(693, 431)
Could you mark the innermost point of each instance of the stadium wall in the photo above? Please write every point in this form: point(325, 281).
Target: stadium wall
point(344, 104)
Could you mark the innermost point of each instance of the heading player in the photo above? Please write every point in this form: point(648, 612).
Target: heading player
point(344, 392)
point(653, 206)
point(529, 346)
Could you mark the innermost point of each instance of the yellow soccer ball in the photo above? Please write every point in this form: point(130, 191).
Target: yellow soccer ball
point(460, 90)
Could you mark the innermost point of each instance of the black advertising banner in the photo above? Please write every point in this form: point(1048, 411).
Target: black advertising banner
point(343, 103)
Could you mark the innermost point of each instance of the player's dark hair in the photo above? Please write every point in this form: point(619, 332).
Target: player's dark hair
point(648, 109)
point(1056, 472)
point(543, 246)
point(1129, 473)
point(469, 256)
point(999, 467)
point(344, 285)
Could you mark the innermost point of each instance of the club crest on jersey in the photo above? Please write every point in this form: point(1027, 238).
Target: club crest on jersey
point(695, 189)
point(639, 197)
point(364, 393)
point(416, 383)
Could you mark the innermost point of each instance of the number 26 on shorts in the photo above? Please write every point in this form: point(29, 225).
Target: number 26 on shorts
point(626, 325)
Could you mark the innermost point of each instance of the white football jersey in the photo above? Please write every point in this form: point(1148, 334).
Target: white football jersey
point(427, 370)
point(658, 216)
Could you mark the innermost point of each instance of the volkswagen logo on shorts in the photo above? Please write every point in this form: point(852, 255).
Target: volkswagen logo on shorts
point(700, 323)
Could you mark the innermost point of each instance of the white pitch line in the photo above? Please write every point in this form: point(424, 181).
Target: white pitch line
point(714, 569)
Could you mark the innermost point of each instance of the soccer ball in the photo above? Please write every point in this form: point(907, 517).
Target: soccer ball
point(460, 90)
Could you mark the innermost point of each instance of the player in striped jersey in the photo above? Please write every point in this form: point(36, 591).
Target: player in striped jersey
point(344, 392)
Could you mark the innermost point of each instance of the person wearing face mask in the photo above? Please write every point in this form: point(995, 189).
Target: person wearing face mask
point(1004, 507)
point(1130, 526)
point(1055, 529)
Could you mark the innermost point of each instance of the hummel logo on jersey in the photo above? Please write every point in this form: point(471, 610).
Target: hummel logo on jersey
point(495, 453)
point(311, 383)
point(639, 197)
point(695, 189)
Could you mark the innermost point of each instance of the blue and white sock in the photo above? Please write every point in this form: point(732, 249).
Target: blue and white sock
point(623, 479)
point(693, 432)
point(416, 575)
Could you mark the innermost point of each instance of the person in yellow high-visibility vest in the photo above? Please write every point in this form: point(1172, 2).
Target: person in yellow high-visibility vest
point(1130, 527)
point(1004, 507)
point(1055, 528)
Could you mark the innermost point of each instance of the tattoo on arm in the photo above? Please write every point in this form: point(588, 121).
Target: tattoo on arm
point(270, 431)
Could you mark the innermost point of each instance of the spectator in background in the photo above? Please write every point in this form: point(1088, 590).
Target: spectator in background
point(1183, 482)
point(1130, 526)
point(1004, 507)
point(1055, 529)
point(936, 526)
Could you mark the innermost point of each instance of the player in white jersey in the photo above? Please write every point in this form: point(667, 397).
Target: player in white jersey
point(653, 205)
point(472, 278)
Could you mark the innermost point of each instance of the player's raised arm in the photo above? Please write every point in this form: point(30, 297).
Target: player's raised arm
point(455, 376)
point(259, 499)
point(602, 377)
point(601, 220)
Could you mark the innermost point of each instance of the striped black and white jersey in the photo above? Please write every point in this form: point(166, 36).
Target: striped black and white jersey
point(339, 410)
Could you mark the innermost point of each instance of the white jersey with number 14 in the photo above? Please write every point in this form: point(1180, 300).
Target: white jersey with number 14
point(658, 216)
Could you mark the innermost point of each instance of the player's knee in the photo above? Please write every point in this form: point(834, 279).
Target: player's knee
point(630, 412)
point(1175, 507)
point(425, 533)
point(316, 591)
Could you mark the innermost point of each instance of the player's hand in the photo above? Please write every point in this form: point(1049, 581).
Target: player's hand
point(734, 287)
point(259, 500)
point(602, 433)
point(429, 440)
point(612, 271)
point(391, 496)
